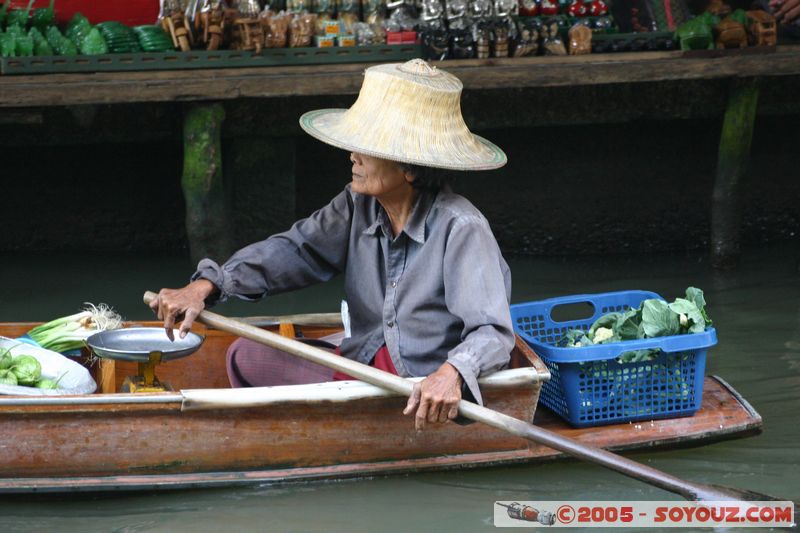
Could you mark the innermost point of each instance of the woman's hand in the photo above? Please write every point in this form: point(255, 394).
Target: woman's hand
point(172, 304)
point(435, 398)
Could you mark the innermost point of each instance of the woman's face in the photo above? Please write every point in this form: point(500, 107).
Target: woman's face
point(377, 177)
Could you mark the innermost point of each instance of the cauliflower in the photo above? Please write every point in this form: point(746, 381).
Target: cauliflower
point(602, 334)
point(683, 320)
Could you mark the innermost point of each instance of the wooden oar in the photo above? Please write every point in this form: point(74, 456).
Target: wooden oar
point(332, 320)
point(689, 490)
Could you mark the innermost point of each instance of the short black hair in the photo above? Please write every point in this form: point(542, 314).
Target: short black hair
point(427, 178)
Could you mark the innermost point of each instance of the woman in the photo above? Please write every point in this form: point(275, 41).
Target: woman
point(427, 288)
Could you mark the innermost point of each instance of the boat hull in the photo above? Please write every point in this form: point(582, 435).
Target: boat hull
point(192, 458)
point(109, 441)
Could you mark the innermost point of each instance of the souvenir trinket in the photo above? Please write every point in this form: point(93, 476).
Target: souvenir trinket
point(528, 8)
point(436, 40)
point(761, 27)
point(480, 9)
point(456, 12)
point(432, 10)
point(580, 40)
point(482, 34)
point(301, 29)
point(598, 8)
point(462, 44)
point(247, 34)
point(248, 8)
point(730, 34)
point(209, 24)
point(348, 12)
point(506, 8)
point(548, 8)
point(718, 8)
point(277, 31)
point(298, 6)
point(177, 26)
point(527, 41)
point(500, 38)
point(577, 9)
point(552, 43)
point(324, 10)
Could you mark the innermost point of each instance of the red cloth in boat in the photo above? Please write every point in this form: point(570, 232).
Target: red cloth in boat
point(381, 361)
point(251, 364)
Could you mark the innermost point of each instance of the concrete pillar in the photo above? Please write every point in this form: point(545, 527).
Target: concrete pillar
point(207, 221)
point(732, 159)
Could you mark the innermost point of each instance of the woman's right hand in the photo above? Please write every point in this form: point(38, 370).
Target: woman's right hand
point(173, 304)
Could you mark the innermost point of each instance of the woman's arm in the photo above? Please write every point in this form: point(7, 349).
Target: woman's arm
point(312, 250)
point(478, 291)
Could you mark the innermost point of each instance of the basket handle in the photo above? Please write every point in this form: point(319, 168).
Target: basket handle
point(597, 301)
point(551, 305)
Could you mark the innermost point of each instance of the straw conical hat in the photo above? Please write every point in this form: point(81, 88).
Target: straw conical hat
point(408, 112)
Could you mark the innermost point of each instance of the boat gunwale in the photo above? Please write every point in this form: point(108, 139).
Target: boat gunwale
point(331, 391)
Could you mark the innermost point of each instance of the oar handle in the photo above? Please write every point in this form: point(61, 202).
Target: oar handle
point(304, 351)
point(469, 410)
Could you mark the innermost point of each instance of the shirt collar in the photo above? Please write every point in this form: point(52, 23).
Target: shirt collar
point(415, 227)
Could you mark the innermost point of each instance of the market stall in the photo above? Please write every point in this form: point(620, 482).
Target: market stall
point(323, 50)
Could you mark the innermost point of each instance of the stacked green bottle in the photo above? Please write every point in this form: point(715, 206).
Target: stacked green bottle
point(154, 39)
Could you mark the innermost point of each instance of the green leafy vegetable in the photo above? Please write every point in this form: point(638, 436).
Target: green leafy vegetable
point(658, 320)
point(7, 377)
point(27, 369)
point(653, 318)
point(70, 332)
point(5, 359)
point(606, 321)
point(628, 325)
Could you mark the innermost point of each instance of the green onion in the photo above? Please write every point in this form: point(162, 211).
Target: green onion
point(70, 332)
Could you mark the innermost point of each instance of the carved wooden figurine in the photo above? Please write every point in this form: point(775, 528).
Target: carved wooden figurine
point(178, 28)
point(730, 34)
point(247, 34)
point(210, 26)
point(718, 8)
point(580, 40)
point(761, 26)
point(552, 43)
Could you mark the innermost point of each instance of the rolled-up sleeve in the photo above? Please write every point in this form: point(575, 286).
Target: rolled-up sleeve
point(478, 291)
point(311, 251)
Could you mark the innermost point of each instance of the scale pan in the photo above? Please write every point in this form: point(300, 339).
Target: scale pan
point(136, 344)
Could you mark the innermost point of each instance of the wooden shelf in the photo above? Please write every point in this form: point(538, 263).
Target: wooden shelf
point(345, 79)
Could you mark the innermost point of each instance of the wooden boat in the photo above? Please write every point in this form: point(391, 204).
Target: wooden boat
point(201, 436)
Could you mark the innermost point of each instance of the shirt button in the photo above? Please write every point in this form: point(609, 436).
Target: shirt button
point(394, 284)
point(390, 324)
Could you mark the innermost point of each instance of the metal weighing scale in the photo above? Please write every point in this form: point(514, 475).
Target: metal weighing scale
point(148, 347)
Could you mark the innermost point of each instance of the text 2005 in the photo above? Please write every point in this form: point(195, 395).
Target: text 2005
point(605, 514)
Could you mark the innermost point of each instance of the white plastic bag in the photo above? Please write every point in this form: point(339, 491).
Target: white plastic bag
point(72, 377)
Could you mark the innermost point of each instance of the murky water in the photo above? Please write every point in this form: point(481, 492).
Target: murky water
point(756, 310)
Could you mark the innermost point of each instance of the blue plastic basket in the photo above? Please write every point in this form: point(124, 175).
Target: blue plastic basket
point(589, 387)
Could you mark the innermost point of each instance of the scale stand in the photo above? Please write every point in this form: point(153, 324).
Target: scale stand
point(146, 380)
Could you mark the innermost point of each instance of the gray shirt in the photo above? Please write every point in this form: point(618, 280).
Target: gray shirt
point(439, 291)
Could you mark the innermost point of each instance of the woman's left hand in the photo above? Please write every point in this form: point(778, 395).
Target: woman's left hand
point(435, 398)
